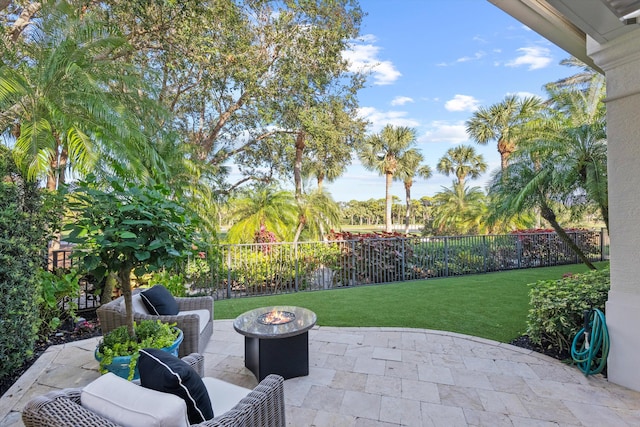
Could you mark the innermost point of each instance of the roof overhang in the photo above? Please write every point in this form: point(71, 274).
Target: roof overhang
point(568, 23)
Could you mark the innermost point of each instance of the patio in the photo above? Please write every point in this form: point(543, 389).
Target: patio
point(387, 377)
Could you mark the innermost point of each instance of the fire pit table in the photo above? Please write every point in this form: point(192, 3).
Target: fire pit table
point(276, 340)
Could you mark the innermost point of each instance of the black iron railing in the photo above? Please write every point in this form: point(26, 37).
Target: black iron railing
point(273, 268)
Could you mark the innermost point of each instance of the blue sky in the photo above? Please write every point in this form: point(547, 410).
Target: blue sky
point(432, 63)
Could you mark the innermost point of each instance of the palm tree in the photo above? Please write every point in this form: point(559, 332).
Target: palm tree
point(533, 181)
point(67, 103)
point(500, 122)
point(585, 77)
point(584, 141)
point(410, 168)
point(573, 132)
point(462, 161)
point(317, 212)
point(263, 206)
point(385, 152)
point(327, 166)
point(459, 210)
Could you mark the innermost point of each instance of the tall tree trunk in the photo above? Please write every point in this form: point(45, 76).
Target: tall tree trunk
point(504, 160)
point(407, 213)
point(548, 214)
point(62, 166)
point(388, 223)
point(604, 211)
point(297, 166)
point(298, 231)
point(124, 277)
point(107, 291)
point(505, 148)
point(52, 176)
point(320, 181)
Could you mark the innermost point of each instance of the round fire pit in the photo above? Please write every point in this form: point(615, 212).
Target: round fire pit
point(276, 340)
point(276, 317)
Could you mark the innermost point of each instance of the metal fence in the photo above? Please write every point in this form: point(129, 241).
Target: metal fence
point(275, 268)
point(87, 299)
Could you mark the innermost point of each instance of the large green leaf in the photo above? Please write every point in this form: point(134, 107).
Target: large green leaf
point(142, 255)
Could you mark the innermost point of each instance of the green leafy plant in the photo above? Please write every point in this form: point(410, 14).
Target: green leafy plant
point(558, 306)
point(173, 282)
point(28, 220)
point(54, 287)
point(125, 228)
point(148, 334)
point(198, 268)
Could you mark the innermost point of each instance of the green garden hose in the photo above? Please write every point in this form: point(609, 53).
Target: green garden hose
point(590, 346)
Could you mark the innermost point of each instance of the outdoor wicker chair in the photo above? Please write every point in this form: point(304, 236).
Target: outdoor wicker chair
point(192, 309)
point(261, 407)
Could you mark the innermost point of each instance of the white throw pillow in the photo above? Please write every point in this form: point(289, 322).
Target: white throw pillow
point(131, 405)
point(137, 304)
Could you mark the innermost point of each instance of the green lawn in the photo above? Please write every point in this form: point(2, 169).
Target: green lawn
point(493, 305)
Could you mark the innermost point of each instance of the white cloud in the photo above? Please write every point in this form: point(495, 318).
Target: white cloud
point(362, 56)
point(475, 57)
point(401, 100)
point(380, 119)
point(535, 57)
point(442, 131)
point(462, 103)
point(368, 38)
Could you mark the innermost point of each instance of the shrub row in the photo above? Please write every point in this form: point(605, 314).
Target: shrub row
point(558, 306)
point(27, 217)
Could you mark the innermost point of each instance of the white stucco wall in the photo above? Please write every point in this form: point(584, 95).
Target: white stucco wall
point(620, 59)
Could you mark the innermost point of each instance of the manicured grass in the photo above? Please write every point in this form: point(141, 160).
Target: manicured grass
point(493, 305)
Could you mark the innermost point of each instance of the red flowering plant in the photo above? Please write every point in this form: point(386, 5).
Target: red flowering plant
point(539, 244)
point(383, 252)
point(264, 236)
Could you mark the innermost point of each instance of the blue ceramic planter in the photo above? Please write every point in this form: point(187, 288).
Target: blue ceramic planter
point(120, 364)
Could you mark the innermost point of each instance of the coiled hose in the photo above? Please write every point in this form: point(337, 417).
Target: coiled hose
point(590, 346)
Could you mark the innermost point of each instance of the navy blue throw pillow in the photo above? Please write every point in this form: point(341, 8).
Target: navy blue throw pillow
point(159, 301)
point(162, 371)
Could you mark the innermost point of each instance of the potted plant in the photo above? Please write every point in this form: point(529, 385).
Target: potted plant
point(118, 350)
point(124, 229)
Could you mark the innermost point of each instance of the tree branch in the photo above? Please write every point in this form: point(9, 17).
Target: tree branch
point(242, 181)
point(23, 20)
point(222, 157)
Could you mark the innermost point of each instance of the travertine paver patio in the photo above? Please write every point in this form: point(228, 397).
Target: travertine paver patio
point(388, 377)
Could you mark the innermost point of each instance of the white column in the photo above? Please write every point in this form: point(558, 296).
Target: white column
point(620, 59)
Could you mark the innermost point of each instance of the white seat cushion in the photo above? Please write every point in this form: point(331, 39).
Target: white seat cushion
point(223, 395)
point(131, 405)
point(202, 314)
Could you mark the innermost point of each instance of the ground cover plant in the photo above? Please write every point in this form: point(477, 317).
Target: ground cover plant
point(493, 305)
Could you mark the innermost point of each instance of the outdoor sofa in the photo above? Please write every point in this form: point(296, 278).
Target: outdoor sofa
point(195, 319)
point(261, 407)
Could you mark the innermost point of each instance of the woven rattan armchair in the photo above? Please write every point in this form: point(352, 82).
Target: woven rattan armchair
point(112, 315)
point(261, 407)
